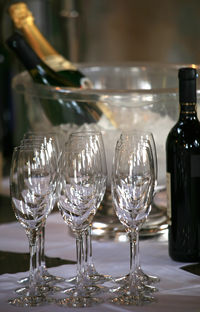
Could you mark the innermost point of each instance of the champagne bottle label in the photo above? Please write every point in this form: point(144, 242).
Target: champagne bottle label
point(58, 62)
point(169, 209)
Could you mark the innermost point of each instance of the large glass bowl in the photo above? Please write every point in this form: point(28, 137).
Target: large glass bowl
point(140, 96)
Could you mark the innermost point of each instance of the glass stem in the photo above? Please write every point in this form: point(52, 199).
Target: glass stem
point(133, 237)
point(40, 250)
point(89, 246)
point(42, 243)
point(85, 249)
point(33, 270)
point(137, 264)
point(88, 261)
point(79, 257)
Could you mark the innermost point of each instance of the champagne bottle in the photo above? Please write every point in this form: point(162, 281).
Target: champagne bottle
point(24, 21)
point(58, 111)
point(183, 174)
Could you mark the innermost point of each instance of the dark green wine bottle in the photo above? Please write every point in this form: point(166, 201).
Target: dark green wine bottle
point(183, 174)
point(57, 111)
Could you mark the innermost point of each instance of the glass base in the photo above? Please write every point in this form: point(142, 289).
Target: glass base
point(50, 278)
point(82, 296)
point(79, 301)
point(92, 276)
point(85, 290)
point(124, 283)
point(27, 300)
point(131, 299)
point(45, 276)
point(41, 289)
point(141, 276)
point(146, 278)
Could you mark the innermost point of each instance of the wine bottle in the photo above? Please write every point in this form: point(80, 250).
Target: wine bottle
point(183, 174)
point(24, 21)
point(58, 111)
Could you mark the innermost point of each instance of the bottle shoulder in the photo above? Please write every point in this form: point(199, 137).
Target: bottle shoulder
point(44, 75)
point(184, 134)
point(191, 127)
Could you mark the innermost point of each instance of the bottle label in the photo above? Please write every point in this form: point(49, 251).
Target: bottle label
point(168, 184)
point(58, 62)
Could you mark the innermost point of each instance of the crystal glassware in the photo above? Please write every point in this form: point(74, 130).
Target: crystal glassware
point(147, 137)
point(92, 275)
point(53, 143)
point(83, 178)
point(31, 186)
point(133, 182)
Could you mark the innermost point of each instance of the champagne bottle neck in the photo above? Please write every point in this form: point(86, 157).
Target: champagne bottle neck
point(24, 20)
point(43, 48)
point(37, 41)
point(25, 54)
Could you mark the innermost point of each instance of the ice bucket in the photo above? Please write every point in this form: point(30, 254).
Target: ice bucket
point(137, 96)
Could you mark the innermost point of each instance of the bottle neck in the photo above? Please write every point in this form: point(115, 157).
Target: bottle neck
point(188, 111)
point(187, 94)
point(43, 48)
point(39, 44)
point(24, 52)
point(24, 20)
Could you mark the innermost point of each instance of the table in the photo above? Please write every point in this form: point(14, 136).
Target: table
point(179, 290)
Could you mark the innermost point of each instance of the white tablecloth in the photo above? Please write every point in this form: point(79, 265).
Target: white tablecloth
point(178, 289)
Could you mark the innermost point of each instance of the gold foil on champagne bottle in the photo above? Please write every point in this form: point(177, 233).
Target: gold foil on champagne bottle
point(20, 14)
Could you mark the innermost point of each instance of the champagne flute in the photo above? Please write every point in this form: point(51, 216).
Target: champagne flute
point(52, 141)
point(31, 184)
point(89, 268)
point(133, 181)
point(82, 179)
point(147, 137)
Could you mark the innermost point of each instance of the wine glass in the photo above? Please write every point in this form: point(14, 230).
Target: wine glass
point(133, 181)
point(31, 186)
point(147, 137)
point(82, 179)
point(89, 268)
point(52, 142)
